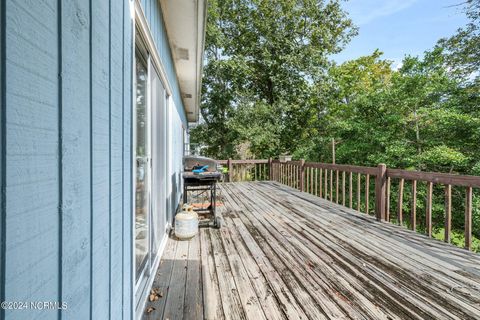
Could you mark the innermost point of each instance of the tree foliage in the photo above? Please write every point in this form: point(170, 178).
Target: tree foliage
point(265, 56)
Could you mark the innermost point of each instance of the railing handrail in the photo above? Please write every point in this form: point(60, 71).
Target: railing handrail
point(250, 161)
point(426, 176)
point(436, 177)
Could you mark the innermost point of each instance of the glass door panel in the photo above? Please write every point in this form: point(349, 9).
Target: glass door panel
point(158, 217)
point(142, 173)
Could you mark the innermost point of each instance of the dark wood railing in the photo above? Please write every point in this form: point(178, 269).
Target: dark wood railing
point(350, 186)
point(247, 170)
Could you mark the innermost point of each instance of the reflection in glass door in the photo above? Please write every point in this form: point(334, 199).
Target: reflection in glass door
point(158, 225)
point(142, 173)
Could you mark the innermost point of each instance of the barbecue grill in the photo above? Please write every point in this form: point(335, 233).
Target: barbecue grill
point(201, 175)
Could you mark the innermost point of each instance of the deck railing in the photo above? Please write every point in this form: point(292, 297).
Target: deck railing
point(247, 170)
point(351, 186)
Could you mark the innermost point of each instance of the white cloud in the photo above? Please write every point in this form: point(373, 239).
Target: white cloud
point(365, 11)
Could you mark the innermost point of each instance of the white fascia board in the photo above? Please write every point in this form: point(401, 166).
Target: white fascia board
point(185, 23)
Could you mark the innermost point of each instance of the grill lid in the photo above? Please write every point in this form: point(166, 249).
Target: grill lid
point(191, 161)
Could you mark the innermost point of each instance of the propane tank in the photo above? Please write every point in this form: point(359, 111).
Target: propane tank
point(186, 223)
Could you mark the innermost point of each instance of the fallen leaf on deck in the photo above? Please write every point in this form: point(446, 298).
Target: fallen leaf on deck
point(150, 309)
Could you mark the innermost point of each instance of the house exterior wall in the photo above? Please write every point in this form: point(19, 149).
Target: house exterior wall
point(66, 158)
point(176, 113)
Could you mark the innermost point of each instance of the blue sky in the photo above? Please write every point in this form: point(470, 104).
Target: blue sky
point(400, 27)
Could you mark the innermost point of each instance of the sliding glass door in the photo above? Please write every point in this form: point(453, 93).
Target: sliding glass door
point(150, 160)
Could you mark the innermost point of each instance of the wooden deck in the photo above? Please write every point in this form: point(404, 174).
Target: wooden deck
point(283, 254)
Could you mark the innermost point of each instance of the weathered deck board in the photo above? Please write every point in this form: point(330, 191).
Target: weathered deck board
point(285, 254)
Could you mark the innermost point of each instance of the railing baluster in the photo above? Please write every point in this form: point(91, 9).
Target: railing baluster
point(468, 218)
point(325, 191)
point(387, 201)
point(280, 173)
point(428, 213)
point(312, 175)
point(320, 185)
point(448, 212)
point(413, 214)
point(288, 175)
point(380, 192)
point(367, 193)
point(299, 178)
point(312, 180)
point(343, 188)
point(331, 185)
point(336, 186)
point(359, 181)
point(309, 179)
point(350, 189)
point(294, 176)
point(400, 202)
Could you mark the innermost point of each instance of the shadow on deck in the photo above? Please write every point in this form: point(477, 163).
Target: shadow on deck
point(284, 254)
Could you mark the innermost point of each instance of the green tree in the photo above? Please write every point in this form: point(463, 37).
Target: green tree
point(266, 54)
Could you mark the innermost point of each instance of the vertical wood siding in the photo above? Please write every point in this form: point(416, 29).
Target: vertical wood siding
point(127, 164)
point(2, 154)
point(66, 220)
point(153, 13)
point(32, 251)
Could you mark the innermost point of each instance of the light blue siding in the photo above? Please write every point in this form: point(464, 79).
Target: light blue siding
point(116, 176)
point(101, 159)
point(2, 153)
point(153, 13)
point(75, 170)
point(66, 159)
point(127, 164)
point(32, 222)
point(66, 223)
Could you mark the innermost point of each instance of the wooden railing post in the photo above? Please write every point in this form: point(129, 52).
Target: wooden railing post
point(230, 170)
point(468, 218)
point(301, 173)
point(380, 192)
point(270, 169)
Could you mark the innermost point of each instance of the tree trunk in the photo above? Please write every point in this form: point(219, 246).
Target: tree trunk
point(417, 132)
